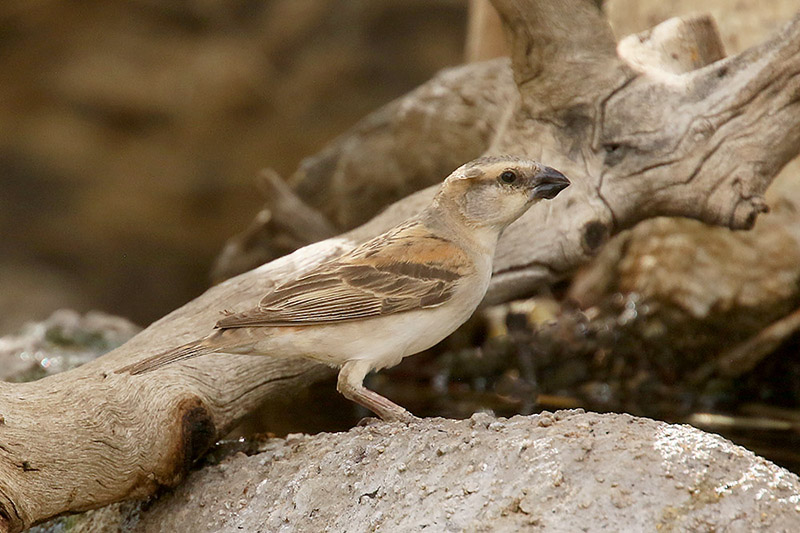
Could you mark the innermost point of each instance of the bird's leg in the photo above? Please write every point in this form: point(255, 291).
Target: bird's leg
point(351, 385)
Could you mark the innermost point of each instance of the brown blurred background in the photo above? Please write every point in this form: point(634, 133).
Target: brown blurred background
point(131, 131)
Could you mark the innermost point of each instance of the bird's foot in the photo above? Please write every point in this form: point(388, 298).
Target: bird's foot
point(350, 384)
point(398, 415)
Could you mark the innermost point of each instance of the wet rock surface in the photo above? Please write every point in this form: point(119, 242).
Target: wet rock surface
point(65, 340)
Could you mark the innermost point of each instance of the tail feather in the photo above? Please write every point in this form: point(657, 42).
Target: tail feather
point(187, 351)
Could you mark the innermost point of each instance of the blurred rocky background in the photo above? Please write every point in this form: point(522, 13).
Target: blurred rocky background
point(131, 132)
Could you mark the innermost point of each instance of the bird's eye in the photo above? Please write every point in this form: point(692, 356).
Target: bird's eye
point(509, 176)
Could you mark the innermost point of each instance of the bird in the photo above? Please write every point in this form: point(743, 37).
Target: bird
point(393, 296)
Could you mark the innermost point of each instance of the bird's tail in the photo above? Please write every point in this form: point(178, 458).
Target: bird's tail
point(181, 353)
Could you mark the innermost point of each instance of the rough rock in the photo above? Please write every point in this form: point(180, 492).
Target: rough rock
point(566, 471)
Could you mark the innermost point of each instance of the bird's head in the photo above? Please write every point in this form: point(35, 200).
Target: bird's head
point(492, 192)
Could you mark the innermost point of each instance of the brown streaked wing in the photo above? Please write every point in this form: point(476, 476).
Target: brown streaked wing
point(378, 278)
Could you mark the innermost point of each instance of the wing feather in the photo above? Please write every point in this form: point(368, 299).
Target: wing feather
point(403, 270)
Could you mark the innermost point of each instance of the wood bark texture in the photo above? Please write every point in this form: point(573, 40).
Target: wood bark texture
point(485, 39)
point(636, 142)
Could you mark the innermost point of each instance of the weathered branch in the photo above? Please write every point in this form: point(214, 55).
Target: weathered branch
point(676, 46)
point(287, 221)
point(485, 35)
point(87, 437)
point(703, 144)
point(743, 357)
point(555, 48)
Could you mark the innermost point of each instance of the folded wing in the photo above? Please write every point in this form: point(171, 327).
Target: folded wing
point(408, 269)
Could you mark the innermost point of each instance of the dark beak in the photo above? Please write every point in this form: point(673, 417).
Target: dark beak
point(548, 182)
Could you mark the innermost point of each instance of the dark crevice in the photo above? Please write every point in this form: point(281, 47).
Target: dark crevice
point(4, 511)
point(702, 162)
point(106, 443)
point(198, 432)
point(26, 467)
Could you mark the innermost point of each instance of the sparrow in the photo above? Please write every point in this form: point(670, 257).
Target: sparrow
point(393, 296)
